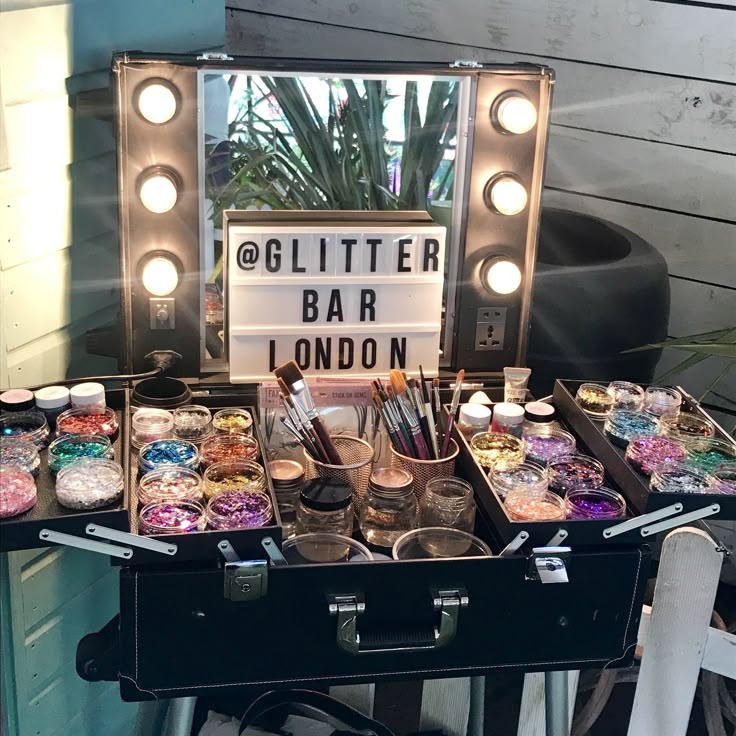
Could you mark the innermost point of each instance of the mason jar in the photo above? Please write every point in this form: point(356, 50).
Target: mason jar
point(389, 508)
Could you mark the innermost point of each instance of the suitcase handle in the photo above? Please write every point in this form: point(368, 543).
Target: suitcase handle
point(347, 608)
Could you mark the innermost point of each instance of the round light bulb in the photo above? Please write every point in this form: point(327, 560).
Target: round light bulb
point(508, 195)
point(503, 277)
point(158, 193)
point(157, 103)
point(516, 114)
point(160, 276)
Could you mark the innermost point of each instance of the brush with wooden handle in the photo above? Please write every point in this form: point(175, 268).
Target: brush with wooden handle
point(438, 411)
point(453, 411)
point(299, 391)
point(423, 420)
point(400, 389)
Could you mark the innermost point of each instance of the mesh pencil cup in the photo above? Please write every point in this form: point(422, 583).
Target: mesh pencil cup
point(424, 470)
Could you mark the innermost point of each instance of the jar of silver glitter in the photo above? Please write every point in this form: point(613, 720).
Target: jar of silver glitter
point(89, 483)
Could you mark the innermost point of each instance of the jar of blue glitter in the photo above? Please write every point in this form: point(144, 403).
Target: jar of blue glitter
point(622, 425)
point(26, 425)
point(166, 454)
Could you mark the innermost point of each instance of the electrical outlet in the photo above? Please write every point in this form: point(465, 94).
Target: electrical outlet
point(490, 328)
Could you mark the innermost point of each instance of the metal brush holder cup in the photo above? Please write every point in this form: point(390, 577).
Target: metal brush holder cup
point(358, 457)
point(424, 470)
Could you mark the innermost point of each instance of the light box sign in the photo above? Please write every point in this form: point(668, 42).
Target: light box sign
point(341, 297)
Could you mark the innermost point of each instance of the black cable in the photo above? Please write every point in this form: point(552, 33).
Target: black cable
point(83, 379)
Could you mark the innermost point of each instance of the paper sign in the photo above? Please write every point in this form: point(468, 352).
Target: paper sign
point(340, 301)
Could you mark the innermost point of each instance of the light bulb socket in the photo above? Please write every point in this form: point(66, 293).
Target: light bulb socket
point(488, 199)
point(163, 83)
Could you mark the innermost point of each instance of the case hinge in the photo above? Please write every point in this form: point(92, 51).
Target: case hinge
point(246, 580)
point(465, 64)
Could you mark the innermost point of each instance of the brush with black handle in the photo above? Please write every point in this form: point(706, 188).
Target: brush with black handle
point(429, 414)
point(299, 391)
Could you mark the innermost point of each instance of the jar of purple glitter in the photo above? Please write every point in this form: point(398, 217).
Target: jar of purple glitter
point(241, 509)
point(171, 517)
point(594, 503)
point(543, 444)
point(723, 479)
point(646, 453)
point(574, 471)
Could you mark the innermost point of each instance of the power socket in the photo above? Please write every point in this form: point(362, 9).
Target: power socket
point(490, 328)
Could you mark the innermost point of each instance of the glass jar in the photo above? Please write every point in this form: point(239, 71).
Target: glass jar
point(192, 423)
point(17, 491)
point(433, 542)
point(448, 502)
point(626, 395)
point(595, 503)
point(22, 453)
point(506, 477)
point(723, 479)
point(89, 483)
point(52, 401)
point(389, 508)
point(288, 481)
point(70, 448)
point(234, 475)
point(242, 509)
point(678, 478)
point(233, 421)
point(543, 444)
point(310, 549)
point(539, 414)
point(685, 426)
point(594, 400)
point(621, 425)
point(164, 517)
point(707, 453)
point(644, 454)
point(508, 418)
point(325, 505)
point(26, 425)
point(17, 399)
point(150, 425)
point(163, 453)
point(489, 447)
point(574, 471)
point(88, 396)
point(525, 506)
point(223, 447)
point(662, 400)
point(473, 418)
point(88, 421)
point(169, 484)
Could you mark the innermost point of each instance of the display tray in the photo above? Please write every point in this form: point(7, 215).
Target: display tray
point(633, 485)
point(22, 531)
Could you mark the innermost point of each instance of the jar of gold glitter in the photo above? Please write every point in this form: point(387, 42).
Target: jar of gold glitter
point(231, 475)
point(233, 421)
point(594, 400)
point(490, 447)
point(525, 506)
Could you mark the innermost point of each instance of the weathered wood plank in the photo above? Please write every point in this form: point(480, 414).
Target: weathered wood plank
point(688, 112)
point(692, 246)
point(671, 39)
point(697, 307)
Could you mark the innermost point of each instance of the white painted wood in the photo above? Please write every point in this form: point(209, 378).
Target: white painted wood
point(4, 153)
point(688, 112)
point(532, 714)
point(673, 654)
point(638, 34)
point(720, 653)
point(692, 246)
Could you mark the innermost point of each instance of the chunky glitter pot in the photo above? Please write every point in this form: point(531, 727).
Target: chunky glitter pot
point(232, 475)
point(626, 395)
point(150, 425)
point(594, 400)
point(26, 425)
point(543, 444)
point(52, 401)
point(707, 453)
point(660, 401)
point(22, 453)
point(192, 423)
point(89, 483)
point(88, 421)
point(678, 478)
point(489, 447)
point(162, 453)
point(646, 453)
point(506, 477)
point(239, 510)
point(90, 396)
point(622, 425)
point(164, 517)
point(17, 491)
point(723, 479)
point(594, 503)
point(574, 471)
point(685, 426)
point(524, 506)
point(17, 399)
point(69, 448)
point(222, 447)
point(169, 484)
point(233, 421)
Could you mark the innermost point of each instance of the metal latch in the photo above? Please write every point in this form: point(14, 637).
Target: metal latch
point(246, 580)
point(214, 56)
point(549, 564)
point(465, 64)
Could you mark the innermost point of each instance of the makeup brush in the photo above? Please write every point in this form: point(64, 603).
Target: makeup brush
point(297, 387)
point(393, 412)
point(401, 390)
point(301, 422)
point(423, 419)
point(392, 430)
point(438, 410)
point(453, 410)
point(430, 417)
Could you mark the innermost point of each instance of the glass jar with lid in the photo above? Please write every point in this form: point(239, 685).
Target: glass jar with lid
point(389, 508)
point(288, 481)
point(448, 502)
point(26, 425)
point(325, 505)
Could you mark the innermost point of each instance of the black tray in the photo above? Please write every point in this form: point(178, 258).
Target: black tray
point(22, 531)
point(634, 486)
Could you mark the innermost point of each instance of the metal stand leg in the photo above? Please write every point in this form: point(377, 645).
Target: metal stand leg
point(180, 717)
point(477, 706)
point(556, 706)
